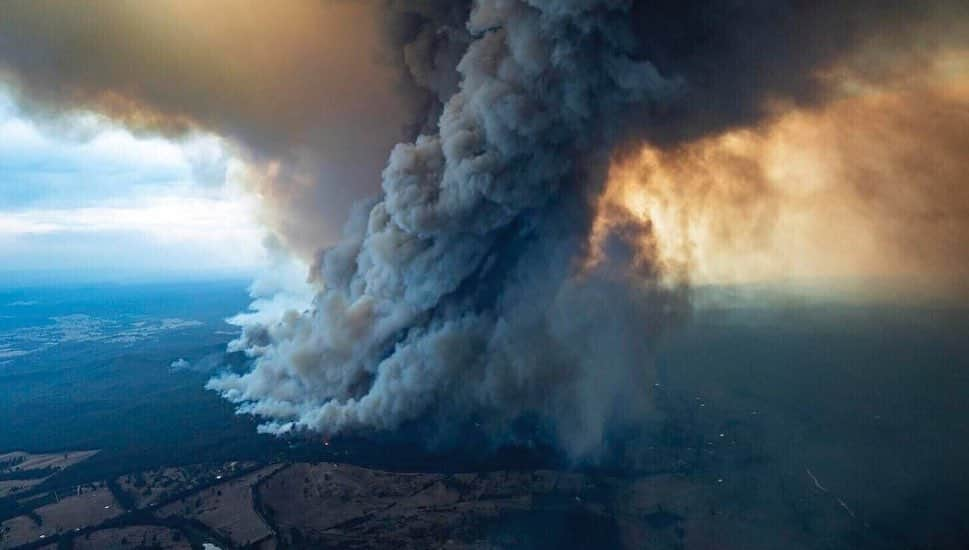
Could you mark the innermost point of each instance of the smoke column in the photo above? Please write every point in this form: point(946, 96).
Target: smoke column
point(470, 288)
point(458, 293)
point(493, 279)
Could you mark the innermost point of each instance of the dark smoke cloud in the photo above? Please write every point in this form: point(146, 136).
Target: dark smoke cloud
point(324, 89)
point(463, 291)
point(456, 291)
point(743, 59)
point(466, 290)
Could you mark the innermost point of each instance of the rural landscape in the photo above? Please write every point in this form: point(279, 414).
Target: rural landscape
point(740, 449)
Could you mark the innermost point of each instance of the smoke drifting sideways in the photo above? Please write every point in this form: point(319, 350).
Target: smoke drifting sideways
point(502, 273)
point(313, 94)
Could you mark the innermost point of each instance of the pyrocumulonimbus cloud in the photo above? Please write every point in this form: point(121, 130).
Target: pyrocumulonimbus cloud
point(481, 284)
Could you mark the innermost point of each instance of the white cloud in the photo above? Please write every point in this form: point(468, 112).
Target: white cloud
point(171, 233)
point(171, 218)
point(93, 196)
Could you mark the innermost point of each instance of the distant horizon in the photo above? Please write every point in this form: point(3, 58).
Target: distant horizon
point(27, 279)
point(770, 294)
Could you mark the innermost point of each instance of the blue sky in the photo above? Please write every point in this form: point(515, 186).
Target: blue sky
point(84, 197)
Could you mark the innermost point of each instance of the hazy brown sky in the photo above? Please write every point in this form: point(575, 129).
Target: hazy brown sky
point(301, 83)
point(873, 184)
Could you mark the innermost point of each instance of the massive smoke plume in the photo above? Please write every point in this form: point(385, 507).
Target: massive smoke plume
point(465, 290)
point(482, 284)
point(457, 291)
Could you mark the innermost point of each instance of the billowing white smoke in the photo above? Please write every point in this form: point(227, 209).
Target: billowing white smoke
point(463, 292)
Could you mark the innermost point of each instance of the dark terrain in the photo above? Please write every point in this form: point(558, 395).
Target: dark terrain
point(802, 424)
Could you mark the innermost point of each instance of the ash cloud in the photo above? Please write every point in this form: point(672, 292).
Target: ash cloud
point(464, 292)
point(456, 293)
point(468, 289)
point(745, 60)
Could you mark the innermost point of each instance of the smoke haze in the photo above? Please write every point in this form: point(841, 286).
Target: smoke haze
point(315, 93)
point(870, 185)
